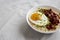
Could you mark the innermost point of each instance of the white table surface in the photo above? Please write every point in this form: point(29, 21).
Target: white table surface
point(13, 25)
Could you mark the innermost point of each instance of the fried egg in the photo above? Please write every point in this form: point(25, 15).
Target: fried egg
point(38, 18)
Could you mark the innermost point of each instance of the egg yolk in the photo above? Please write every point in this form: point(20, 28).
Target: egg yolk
point(35, 16)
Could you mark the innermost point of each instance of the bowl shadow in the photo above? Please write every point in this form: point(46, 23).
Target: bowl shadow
point(30, 34)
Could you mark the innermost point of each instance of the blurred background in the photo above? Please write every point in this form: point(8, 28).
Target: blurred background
point(13, 25)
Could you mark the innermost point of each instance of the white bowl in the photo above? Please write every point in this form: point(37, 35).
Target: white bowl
point(34, 9)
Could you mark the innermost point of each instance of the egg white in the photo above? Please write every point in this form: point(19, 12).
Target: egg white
point(43, 20)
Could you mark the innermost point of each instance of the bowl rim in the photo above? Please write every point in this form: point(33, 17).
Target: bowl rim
point(33, 27)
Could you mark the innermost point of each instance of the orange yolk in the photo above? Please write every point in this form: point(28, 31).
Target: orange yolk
point(35, 16)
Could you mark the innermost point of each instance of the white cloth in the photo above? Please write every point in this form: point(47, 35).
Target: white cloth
point(13, 25)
